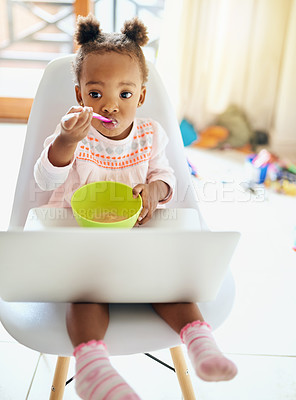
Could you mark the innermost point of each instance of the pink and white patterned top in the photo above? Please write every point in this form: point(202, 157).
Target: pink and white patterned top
point(139, 158)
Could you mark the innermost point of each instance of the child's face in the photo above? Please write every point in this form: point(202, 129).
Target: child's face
point(111, 83)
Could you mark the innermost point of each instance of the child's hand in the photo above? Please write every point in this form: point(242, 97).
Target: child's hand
point(75, 124)
point(151, 194)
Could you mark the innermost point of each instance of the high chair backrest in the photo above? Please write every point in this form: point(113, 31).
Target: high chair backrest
point(55, 95)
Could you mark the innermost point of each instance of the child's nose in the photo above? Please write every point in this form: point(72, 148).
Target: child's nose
point(110, 107)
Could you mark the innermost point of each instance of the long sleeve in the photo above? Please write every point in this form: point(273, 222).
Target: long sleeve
point(139, 158)
point(47, 176)
point(159, 168)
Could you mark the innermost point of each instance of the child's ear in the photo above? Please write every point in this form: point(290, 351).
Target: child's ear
point(142, 96)
point(78, 94)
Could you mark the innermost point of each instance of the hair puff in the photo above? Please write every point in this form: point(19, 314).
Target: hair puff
point(136, 31)
point(88, 29)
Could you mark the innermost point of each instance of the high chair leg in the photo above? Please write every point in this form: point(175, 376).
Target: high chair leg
point(182, 373)
point(59, 379)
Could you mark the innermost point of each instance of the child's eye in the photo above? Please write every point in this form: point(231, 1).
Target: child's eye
point(126, 95)
point(95, 95)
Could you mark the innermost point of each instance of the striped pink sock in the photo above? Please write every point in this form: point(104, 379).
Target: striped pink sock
point(96, 379)
point(207, 360)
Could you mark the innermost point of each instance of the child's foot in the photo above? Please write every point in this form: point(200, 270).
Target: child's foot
point(207, 360)
point(96, 379)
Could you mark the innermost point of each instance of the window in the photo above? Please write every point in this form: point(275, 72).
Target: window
point(34, 32)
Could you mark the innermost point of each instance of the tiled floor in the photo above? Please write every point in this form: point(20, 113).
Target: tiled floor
point(259, 334)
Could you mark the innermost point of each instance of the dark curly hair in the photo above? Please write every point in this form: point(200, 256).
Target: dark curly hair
point(92, 40)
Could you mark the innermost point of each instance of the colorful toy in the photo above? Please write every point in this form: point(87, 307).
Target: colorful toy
point(188, 132)
point(212, 137)
point(256, 168)
point(192, 168)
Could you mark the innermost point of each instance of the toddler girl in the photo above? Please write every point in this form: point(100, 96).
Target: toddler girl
point(111, 72)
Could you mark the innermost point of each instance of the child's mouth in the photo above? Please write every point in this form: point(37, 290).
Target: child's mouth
point(110, 125)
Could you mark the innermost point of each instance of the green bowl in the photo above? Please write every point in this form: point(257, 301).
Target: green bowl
point(106, 205)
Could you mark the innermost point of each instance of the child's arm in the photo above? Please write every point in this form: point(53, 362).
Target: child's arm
point(51, 171)
point(161, 180)
point(74, 127)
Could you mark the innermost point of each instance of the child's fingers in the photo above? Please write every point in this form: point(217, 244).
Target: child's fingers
point(75, 109)
point(84, 117)
point(143, 215)
point(76, 116)
point(137, 190)
point(90, 116)
point(145, 212)
point(69, 120)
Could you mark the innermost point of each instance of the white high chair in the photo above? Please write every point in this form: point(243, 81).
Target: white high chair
point(42, 326)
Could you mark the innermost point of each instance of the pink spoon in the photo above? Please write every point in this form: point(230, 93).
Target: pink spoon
point(101, 118)
point(95, 115)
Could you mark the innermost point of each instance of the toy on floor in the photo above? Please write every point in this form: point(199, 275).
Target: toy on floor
point(276, 174)
point(281, 177)
point(189, 134)
point(256, 166)
point(192, 169)
point(211, 137)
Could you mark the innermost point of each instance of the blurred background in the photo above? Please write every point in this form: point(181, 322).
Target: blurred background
point(211, 54)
